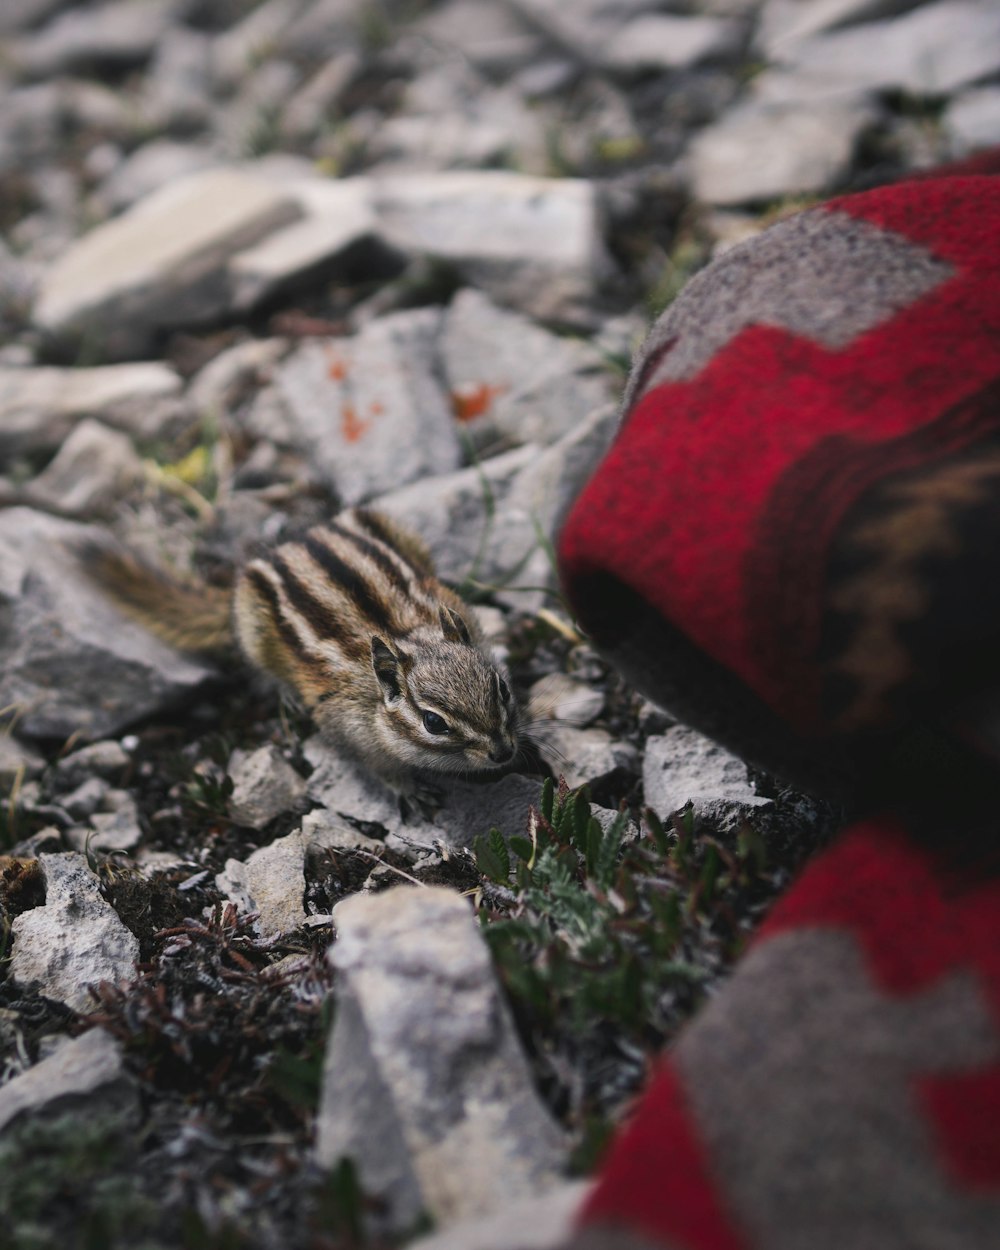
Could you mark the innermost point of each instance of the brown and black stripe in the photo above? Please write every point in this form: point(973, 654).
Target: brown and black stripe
point(310, 609)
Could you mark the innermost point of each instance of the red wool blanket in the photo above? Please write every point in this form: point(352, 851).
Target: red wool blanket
point(794, 545)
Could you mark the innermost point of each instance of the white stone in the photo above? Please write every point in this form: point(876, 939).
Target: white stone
point(17, 759)
point(467, 809)
point(106, 758)
point(75, 940)
point(120, 32)
point(584, 27)
point(972, 120)
point(584, 756)
point(784, 23)
point(91, 471)
point(234, 375)
point(932, 50)
point(558, 697)
point(682, 766)
point(115, 828)
point(68, 658)
point(83, 1070)
point(520, 557)
point(162, 264)
point(151, 167)
point(511, 381)
point(175, 90)
point(272, 880)
point(532, 243)
point(450, 512)
point(424, 1085)
point(546, 1222)
point(337, 217)
point(264, 786)
point(368, 410)
point(658, 41)
point(239, 48)
point(39, 407)
point(315, 103)
point(764, 151)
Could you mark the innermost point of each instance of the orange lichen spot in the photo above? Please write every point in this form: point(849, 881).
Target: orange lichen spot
point(336, 370)
point(352, 426)
point(469, 402)
point(376, 409)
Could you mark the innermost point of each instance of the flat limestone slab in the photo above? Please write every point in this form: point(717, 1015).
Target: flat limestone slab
point(163, 263)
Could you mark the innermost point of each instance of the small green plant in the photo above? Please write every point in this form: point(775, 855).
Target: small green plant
point(71, 1174)
point(605, 935)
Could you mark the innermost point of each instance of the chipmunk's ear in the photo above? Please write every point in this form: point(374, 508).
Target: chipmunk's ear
point(386, 666)
point(455, 629)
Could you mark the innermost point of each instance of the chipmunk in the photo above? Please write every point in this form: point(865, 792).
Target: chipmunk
point(352, 618)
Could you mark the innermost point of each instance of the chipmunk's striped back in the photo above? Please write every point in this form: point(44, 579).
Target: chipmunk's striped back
point(307, 612)
point(352, 618)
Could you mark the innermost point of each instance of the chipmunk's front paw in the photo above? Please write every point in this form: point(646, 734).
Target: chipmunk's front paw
point(421, 802)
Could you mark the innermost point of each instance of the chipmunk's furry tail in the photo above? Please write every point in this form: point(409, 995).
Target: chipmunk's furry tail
point(187, 614)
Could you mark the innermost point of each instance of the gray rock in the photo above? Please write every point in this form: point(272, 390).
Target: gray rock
point(151, 167)
point(784, 23)
point(36, 118)
point(520, 555)
point(547, 1222)
point(336, 224)
point(272, 881)
point(264, 786)
point(39, 407)
point(511, 381)
point(762, 151)
point(310, 108)
point(75, 940)
point(237, 50)
point(532, 243)
point(471, 809)
point(70, 660)
point(85, 799)
point(565, 700)
point(584, 756)
point(163, 264)
point(666, 42)
point(932, 50)
point(176, 92)
point(368, 410)
point(452, 118)
point(17, 759)
point(233, 376)
point(451, 512)
point(115, 828)
point(489, 523)
point(106, 758)
point(19, 14)
point(681, 766)
point(91, 471)
point(487, 35)
point(247, 125)
point(321, 29)
point(468, 808)
point(84, 1072)
point(584, 27)
point(424, 1085)
point(119, 34)
point(972, 120)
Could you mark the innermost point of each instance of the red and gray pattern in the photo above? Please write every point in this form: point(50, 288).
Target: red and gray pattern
point(792, 544)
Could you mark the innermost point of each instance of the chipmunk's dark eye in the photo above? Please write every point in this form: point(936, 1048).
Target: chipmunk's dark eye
point(504, 690)
point(435, 724)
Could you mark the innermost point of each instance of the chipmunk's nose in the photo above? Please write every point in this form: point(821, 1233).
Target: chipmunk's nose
point(501, 752)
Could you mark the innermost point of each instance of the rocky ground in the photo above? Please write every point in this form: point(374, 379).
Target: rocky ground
point(262, 260)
